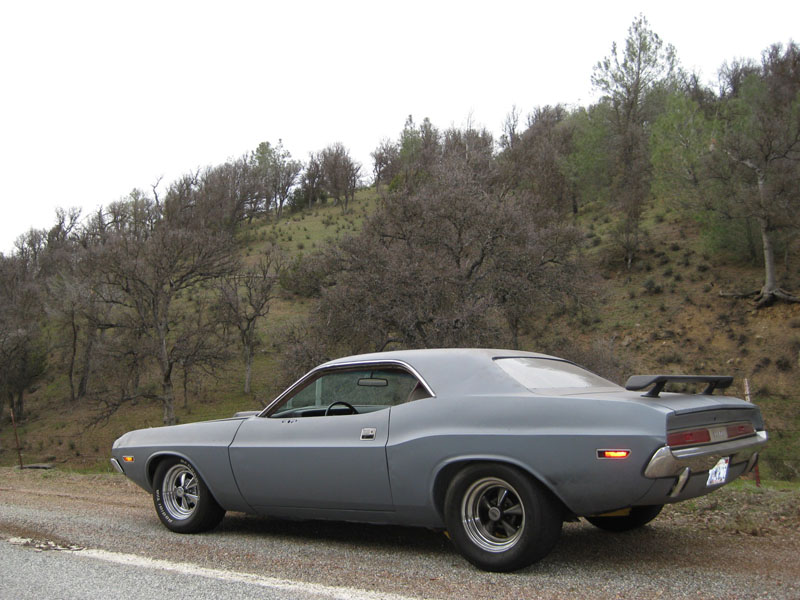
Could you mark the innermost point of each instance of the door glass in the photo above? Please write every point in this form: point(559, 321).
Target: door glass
point(365, 390)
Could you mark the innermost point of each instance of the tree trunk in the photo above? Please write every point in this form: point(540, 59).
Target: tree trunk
point(168, 400)
point(248, 367)
point(770, 284)
point(19, 406)
point(771, 291)
point(515, 336)
point(72, 356)
point(86, 364)
point(185, 387)
point(167, 391)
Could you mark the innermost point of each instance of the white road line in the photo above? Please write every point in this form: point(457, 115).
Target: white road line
point(133, 560)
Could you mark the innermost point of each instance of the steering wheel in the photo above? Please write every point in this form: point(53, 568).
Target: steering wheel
point(353, 411)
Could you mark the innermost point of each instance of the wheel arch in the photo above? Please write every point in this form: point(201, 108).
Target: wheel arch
point(447, 470)
point(157, 458)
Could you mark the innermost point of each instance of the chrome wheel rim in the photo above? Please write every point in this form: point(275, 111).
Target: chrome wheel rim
point(179, 492)
point(493, 514)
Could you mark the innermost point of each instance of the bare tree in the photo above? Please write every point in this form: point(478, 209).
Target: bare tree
point(312, 180)
point(537, 161)
point(341, 174)
point(65, 280)
point(443, 266)
point(142, 277)
point(244, 300)
point(226, 193)
point(472, 145)
point(510, 134)
point(286, 172)
point(202, 347)
point(23, 351)
point(739, 160)
point(384, 162)
point(759, 138)
point(276, 174)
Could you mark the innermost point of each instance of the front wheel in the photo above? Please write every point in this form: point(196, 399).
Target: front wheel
point(499, 518)
point(639, 516)
point(183, 501)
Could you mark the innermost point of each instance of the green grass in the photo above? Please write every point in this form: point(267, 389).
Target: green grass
point(305, 231)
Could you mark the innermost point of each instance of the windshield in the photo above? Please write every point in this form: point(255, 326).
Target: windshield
point(544, 375)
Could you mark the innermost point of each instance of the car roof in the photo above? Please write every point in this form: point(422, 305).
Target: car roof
point(463, 371)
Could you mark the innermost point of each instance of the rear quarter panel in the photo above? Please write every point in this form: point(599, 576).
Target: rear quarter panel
point(555, 439)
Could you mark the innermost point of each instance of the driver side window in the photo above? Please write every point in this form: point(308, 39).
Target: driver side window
point(366, 390)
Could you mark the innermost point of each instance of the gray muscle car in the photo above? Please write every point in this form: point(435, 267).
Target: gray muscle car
point(498, 447)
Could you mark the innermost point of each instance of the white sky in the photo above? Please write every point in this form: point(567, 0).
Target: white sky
point(97, 98)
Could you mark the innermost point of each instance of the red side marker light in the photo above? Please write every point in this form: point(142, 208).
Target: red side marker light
point(614, 454)
point(127, 458)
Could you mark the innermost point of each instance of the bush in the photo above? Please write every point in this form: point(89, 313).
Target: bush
point(735, 239)
point(651, 287)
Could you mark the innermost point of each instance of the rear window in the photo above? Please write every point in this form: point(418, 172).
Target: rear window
point(546, 375)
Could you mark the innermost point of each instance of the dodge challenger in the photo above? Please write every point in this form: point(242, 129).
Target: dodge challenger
point(497, 447)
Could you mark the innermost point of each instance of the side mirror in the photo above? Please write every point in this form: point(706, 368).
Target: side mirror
point(246, 413)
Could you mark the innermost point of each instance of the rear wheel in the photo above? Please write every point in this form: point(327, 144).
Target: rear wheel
point(639, 516)
point(183, 501)
point(499, 518)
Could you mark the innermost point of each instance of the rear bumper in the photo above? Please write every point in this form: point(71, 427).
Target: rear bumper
point(667, 462)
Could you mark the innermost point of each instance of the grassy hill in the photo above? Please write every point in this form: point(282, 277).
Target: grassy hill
point(665, 314)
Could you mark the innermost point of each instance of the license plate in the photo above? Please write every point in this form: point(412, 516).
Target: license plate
point(719, 473)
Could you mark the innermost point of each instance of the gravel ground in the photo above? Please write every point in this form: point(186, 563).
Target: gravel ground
point(735, 543)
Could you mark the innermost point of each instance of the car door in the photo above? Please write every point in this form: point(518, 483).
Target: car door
point(301, 457)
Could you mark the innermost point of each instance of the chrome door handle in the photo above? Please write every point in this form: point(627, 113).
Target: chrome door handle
point(368, 433)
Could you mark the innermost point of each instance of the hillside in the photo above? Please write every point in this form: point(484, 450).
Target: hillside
point(665, 314)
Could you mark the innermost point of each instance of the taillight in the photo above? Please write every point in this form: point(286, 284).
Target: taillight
point(740, 429)
point(688, 438)
point(704, 435)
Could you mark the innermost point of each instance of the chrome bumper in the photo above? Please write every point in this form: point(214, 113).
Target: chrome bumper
point(667, 462)
point(116, 466)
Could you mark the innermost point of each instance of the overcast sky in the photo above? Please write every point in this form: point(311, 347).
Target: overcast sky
point(97, 98)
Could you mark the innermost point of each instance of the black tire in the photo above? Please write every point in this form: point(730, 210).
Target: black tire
point(639, 516)
point(499, 518)
point(183, 501)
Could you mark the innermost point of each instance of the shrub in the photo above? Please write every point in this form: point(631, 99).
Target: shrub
point(651, 287)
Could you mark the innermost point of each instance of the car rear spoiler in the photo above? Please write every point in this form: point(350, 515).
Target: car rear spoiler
point(640, 382)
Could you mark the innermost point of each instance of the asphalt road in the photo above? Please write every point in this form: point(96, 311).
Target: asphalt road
point(49, 572)
point(99, 537)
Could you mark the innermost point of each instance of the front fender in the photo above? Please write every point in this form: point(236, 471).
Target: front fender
point(204, 445)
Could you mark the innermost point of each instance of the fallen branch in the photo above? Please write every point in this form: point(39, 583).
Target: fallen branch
point(739, 294)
